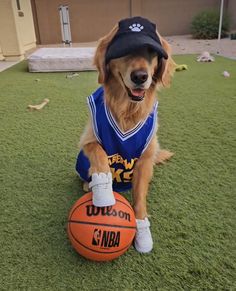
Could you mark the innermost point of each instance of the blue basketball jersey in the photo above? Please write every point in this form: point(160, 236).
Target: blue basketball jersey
point(123, 148)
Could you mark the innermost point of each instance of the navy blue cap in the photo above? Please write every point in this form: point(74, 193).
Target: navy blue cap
point(134, 33)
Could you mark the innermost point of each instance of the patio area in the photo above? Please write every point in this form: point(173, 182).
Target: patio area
point(185, 44)
point(181, 44)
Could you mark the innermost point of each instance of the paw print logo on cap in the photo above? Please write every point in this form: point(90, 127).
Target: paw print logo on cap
point(136, 27)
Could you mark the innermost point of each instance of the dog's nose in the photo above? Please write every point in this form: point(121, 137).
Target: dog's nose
point(139, 76)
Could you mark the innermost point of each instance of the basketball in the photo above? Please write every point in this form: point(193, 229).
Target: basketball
point(101, 233)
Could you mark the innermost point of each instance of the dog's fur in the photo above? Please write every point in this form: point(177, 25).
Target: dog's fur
point(115, 78)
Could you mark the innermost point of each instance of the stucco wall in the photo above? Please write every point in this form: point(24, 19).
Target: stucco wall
point(91, 19)
point(88, 19)
point(231, 8)
point(1, 55)
point(174, 17)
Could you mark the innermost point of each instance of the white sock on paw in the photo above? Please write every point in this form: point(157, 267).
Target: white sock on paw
point(101, 186)
point(143, 242)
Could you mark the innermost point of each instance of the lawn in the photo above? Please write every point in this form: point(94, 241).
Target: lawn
point(191, 199)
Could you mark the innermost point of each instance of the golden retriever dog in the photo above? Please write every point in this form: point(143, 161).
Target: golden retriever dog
point(119, 146)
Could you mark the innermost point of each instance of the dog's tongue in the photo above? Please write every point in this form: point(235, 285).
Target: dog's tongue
point(137, 92)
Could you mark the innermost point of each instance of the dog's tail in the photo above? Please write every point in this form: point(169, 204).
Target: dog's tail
point(163, 156)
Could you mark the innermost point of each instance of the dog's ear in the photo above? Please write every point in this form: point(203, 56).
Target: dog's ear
point(166, 68)
point(169, 66)
point(99, 58)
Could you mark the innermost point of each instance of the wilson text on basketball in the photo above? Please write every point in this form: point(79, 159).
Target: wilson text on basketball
point(92, 210)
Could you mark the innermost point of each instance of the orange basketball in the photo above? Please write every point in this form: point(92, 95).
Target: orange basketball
point(101, 233)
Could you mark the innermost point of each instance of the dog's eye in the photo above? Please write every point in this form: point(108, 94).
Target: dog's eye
point(151, 53)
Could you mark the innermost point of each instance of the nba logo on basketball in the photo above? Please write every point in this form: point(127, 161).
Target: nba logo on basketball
point(106, 239)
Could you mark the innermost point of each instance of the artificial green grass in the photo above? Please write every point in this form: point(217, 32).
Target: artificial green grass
point(191, 199)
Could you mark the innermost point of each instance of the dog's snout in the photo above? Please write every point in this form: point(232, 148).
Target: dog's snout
point(139, 76)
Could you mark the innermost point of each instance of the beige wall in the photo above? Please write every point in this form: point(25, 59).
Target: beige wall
point(26, 25)
point(1, 55)
point(16, 33)
point(9, 39)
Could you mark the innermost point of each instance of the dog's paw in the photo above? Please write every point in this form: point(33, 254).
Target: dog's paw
point(143, 239)
point(136, 27)
point(101, 186)
point(85, 186)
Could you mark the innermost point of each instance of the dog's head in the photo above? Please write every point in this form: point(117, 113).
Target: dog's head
point(136, 57)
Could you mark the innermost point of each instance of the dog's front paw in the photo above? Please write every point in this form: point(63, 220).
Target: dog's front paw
point(101, 185)
point(143, 242)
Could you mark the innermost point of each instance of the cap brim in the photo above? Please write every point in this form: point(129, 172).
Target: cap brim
point(126, 44)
